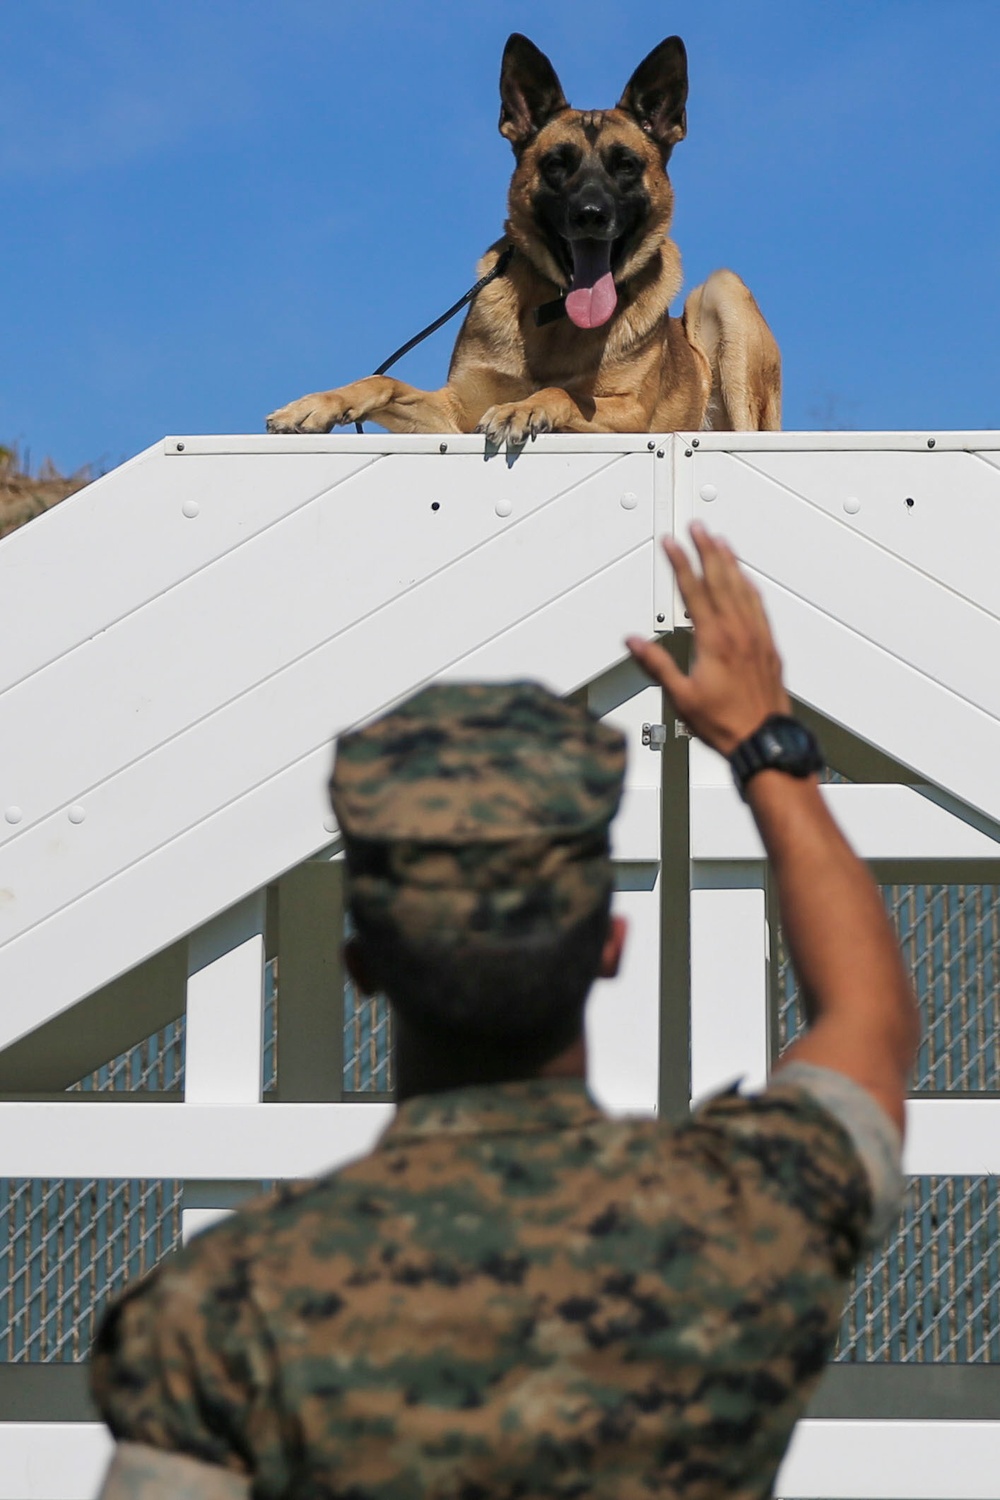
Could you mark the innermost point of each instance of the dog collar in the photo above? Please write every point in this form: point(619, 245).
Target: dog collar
point(551, 312)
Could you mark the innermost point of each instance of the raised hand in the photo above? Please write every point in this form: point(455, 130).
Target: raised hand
point(735, 680)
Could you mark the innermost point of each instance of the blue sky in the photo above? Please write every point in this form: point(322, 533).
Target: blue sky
point(208, 210)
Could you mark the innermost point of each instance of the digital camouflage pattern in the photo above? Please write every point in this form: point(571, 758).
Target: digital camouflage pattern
point(479, 809)
point(512, 1296)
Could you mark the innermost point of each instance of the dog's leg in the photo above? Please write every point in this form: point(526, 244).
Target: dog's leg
point(391, 403)
point(722, 318)
point(556, 410)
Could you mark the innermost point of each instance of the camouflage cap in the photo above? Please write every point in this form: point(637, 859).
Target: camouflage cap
point(479, 809)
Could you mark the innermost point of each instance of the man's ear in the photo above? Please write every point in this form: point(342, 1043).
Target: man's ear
point(357, 967)
point(614, 946)
point(657, 92)
point(530, 92)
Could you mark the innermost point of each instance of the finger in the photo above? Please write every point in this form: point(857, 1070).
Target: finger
point(692, 588)
point(718, 566)
point(661, 667)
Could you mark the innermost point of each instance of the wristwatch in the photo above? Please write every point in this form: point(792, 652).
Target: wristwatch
point(780, 744)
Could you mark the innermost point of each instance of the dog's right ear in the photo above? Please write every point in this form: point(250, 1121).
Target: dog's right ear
point(530, 92)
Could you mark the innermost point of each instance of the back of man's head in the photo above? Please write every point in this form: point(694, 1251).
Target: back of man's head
point(475, 820)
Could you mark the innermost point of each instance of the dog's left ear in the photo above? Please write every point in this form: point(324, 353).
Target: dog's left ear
point(530, 92)
point(657, 92)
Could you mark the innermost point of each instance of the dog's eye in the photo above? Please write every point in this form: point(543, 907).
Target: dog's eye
point(556, 166)
point(624, 166)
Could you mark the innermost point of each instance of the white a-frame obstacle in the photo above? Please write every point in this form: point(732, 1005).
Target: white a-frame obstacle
point(183, 639)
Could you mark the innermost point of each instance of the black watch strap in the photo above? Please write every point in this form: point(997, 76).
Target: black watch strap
point(780, 744)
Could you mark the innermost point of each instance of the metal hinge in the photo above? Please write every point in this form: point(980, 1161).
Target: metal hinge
point(655, 735)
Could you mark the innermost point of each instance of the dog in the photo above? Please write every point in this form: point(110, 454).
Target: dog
point(576, 335)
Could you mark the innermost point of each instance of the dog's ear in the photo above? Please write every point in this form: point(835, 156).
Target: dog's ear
point(657, 92)
point(530, 92)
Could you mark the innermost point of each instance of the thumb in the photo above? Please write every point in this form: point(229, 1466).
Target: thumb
point(662, 668)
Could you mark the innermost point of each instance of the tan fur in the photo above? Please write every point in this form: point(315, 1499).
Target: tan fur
point(643, 371)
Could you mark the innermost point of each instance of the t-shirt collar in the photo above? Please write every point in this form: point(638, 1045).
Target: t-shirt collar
point(530, 1105)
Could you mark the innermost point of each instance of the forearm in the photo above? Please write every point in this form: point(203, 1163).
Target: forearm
point(841, 943)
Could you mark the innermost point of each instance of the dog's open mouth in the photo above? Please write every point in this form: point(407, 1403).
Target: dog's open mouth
point(592, 297)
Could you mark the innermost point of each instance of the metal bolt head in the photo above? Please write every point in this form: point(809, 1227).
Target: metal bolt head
point(650, 445)
point(442, 447)
point(931, 442)
point(687, 452)
point(180, 447)
point(659, 452)
point(696, 442)
point(660, 619)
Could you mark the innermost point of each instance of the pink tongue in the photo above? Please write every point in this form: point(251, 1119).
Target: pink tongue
point(590, 306)
point(592, 297)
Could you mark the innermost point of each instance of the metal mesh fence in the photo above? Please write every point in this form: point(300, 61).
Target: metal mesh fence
point(950, 938)
point(66, 1248)
point(932, 1293)
point(367, 1043)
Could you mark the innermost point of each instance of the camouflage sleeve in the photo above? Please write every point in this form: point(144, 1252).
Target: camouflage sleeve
point(182, 1362)
point(877, 1139)
point(787, 1149)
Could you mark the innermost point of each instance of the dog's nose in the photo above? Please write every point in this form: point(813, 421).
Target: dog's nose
point(592, 217)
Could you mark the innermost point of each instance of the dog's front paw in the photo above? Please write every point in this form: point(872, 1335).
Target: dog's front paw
point(515, 422)
point(316, 413)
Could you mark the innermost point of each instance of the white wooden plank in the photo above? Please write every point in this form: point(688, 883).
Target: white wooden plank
point(728, 989)
point(279, 820)
point(843, 1460)
point(954, 496)
point(985, 439)
point(261, 607)
point(880, 821)
point(224, 1012)
point(125, 539)
point(53, 1460)
point(194, 1141)
point(623, 1028)
point(953, 1135)
point(859, 582)
point(885, 701)
point(383, 442)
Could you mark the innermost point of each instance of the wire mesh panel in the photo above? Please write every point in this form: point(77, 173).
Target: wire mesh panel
point(66, 1248)
point(932, 1293)
point(367, 1043)
point(950, 938)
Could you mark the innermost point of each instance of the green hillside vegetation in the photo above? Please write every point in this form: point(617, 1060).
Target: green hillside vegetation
point(24, 495)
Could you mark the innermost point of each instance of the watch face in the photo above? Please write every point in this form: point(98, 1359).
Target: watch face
point(780, 743)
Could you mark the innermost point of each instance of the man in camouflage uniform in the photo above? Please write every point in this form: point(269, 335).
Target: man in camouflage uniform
point(514, 1295)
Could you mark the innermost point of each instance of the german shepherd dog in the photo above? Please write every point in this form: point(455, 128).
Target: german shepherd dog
point(576, 334)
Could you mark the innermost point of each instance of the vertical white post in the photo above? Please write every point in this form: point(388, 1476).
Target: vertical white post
point(225, 1007)
point(729, 997)
point(224, 1034)
point(623, 1014)
point(728, 988)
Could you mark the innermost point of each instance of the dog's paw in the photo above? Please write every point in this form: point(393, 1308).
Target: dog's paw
point(326, 409)
point(316, 413)
point(514, 423)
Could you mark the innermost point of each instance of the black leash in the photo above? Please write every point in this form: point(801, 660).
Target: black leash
point(418, 338)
